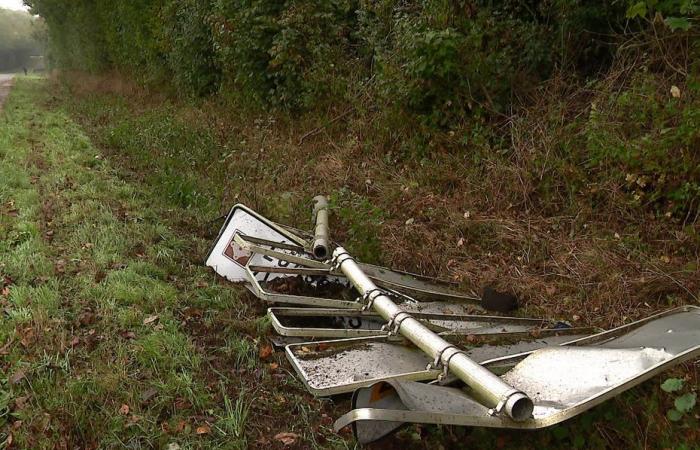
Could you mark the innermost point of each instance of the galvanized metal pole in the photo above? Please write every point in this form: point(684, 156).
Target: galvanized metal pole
point(320, 246)
point(489, 388)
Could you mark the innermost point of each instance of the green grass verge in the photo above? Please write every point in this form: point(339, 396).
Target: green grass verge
point(114, 335)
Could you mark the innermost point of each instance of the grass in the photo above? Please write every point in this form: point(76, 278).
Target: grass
point(114, 334)
point(114, 197)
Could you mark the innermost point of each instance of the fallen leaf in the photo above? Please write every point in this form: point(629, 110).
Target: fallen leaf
point(460, 242)
point(99, 276)
point(181, 425)
point(262, 440)
point(26, 341)
point(193, 312)
point(5, 349)
point(287, 438)
point(467, 214)
point(274, 366)
point(203, 429)
point(27, 337)
point(181, 403)
point(124, 410)
point(21, 402)
point(87, 318)
point(18, 376)
point(675, 92)
point(150, 319)
point(665, 259)
point(410, 221)
point(61, 266)
point(265, 351)
point(148, 394)
point(128, 334)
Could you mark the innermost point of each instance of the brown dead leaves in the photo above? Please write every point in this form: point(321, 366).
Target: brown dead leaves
point(150, 319)
point(203, 429)
point(18, 376)
point(287, 438)
point(265, 351)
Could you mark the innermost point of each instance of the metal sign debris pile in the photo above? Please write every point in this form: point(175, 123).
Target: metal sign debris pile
point(410, 351)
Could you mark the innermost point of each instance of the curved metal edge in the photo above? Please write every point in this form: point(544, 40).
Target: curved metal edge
point(500, 422)
point(425, 317)
point(255, 248)
point(423, 375)
point(259, 292)
point(595, 338)
point(318, 332)
point(285, 232)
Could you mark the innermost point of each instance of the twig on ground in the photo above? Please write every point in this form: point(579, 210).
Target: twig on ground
point(320, 128)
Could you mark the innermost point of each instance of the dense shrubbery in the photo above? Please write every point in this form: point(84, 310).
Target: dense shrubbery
point(20, 38)
point(435, 58)
point(426, 66)
point(285, 53)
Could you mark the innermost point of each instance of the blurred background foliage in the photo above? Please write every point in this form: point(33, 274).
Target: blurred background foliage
point(22, 40)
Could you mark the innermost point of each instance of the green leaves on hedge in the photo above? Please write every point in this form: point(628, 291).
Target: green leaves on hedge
point(638, 9)
point(677, 23)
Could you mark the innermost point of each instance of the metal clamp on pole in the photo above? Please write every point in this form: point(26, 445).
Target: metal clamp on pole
point(321, 246)
point(368, 298)
point(487, 387)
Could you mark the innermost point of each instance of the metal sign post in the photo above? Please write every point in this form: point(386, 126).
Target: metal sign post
point(492, 390)
point(321, 234)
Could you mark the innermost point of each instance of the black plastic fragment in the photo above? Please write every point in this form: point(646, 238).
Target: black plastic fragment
point(493, 300)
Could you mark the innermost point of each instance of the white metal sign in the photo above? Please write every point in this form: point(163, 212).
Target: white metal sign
point(229, 259)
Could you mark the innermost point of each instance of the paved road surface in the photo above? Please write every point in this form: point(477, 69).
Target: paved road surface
point(5, 85)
